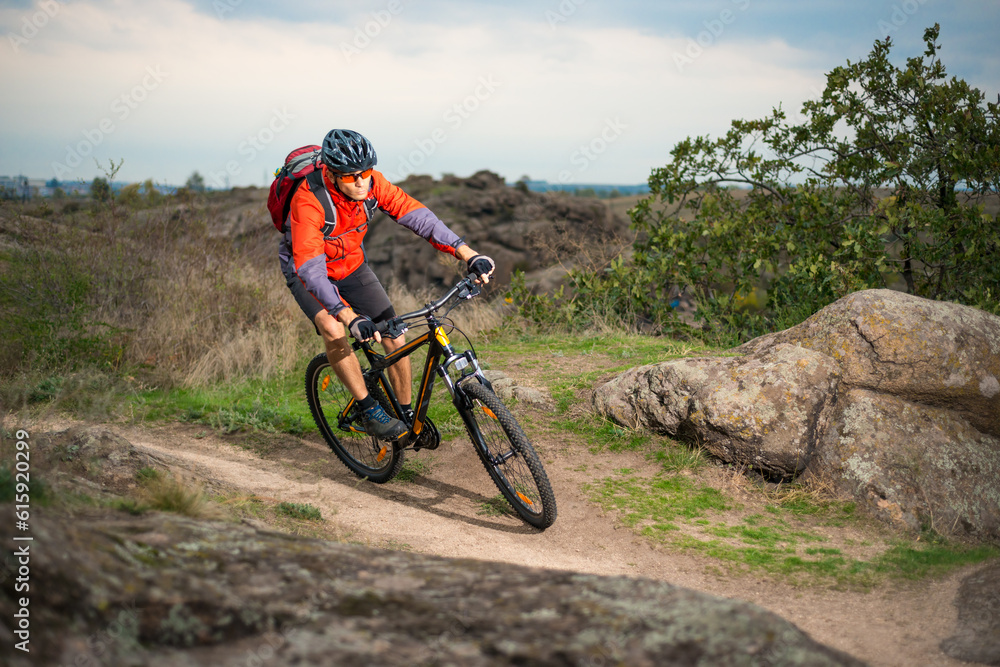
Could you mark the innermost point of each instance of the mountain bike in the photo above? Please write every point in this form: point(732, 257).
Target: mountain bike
point(498, 439)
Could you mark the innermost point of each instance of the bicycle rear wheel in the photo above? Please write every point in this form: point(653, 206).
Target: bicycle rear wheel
point(508, 456)
point(365, 456)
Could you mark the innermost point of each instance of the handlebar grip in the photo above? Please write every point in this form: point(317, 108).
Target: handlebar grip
point(392, 328)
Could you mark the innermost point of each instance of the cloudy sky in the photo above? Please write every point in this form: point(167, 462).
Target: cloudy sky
point(577, 91)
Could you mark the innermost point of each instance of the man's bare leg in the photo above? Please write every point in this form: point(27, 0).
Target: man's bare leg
point(340, 355)
point(400, 373)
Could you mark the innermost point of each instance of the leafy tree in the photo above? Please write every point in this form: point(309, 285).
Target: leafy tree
point(882, 185)
point(195, 182)
point(129, 196)
point(100, 189)
point(153, 196)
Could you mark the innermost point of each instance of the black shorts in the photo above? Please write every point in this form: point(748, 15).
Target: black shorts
point(361, 290)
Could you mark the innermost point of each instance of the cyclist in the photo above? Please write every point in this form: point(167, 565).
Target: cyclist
point(326, 271)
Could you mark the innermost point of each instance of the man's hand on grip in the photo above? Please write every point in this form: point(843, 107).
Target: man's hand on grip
point(482, 266)
point(362, 328)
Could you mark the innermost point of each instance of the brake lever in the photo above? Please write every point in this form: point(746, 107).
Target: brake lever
point(469, 287)
point(393, 328)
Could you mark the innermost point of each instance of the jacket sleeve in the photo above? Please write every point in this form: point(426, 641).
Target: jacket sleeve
point(305, 220)
point(413, 215)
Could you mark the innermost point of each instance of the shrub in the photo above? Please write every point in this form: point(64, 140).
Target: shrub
point(884, 184)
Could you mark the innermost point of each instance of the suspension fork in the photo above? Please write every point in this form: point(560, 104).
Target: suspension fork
point(464, 364)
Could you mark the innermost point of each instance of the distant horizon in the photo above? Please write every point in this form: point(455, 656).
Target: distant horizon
point(567, 91)
point(122, 183)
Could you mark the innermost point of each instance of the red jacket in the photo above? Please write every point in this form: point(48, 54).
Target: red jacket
point(318, 261)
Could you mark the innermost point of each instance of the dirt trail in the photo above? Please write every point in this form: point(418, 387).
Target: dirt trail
point(439, 513)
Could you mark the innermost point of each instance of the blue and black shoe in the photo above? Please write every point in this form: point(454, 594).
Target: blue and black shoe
point(379, 424)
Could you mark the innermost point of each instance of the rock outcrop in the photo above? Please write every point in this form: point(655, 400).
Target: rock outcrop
point(539, 233)
point(519, 229)
point(164, 590)
point(759, 410)
point(892, 398)
point(935, 353)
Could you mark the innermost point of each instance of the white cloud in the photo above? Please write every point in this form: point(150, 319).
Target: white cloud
point(548, 90)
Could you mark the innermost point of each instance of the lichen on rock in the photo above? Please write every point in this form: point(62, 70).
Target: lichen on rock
point(892, 398)
point(276, 599)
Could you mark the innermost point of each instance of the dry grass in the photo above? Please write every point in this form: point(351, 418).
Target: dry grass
point(168, 493)
point(472, 317)
point(176, 291)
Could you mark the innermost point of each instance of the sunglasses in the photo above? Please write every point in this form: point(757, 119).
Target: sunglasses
point(351, 178)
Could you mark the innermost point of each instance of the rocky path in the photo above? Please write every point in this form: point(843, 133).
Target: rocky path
point(441, 512)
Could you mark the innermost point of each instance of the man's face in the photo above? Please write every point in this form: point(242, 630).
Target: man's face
point(352, 185)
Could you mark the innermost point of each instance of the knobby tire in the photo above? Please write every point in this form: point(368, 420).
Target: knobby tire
point(360, 453)
point(508, 456)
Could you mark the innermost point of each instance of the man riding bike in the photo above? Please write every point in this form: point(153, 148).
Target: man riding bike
point(325, 268)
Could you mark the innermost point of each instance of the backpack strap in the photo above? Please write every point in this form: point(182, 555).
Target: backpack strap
point(318, 188)
point(370, 205)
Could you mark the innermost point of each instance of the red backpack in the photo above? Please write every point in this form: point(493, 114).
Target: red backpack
point(299, 164)
point(304, 164)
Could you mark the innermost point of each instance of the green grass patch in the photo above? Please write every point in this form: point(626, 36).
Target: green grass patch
point(132, 506)
point(275, 406)
point(676, 457)
point(656, 501)
point(495, 506)
point(930, 558)
point(413, 467)
point(784, 540)
point(633, 348)
point(302, 511)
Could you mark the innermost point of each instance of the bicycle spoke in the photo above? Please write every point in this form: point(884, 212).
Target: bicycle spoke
point(364, 455)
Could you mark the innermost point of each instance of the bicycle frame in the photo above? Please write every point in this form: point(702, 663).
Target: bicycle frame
point(441, 361)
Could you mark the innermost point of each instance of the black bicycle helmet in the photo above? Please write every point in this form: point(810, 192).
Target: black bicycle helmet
point(346, 151)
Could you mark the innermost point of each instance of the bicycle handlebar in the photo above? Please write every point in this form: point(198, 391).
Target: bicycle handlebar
point(466, 288)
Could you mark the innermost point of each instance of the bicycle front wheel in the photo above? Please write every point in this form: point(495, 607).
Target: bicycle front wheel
point(508, 456)
point(364, 455)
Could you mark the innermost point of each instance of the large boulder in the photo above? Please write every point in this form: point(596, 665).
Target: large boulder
point(164, 590)
point(892, 398)
point(912, 464)
point(762, 410)
point(931, 352)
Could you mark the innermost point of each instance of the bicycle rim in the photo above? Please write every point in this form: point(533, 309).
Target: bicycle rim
point(364, 455)
point(508, 457)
